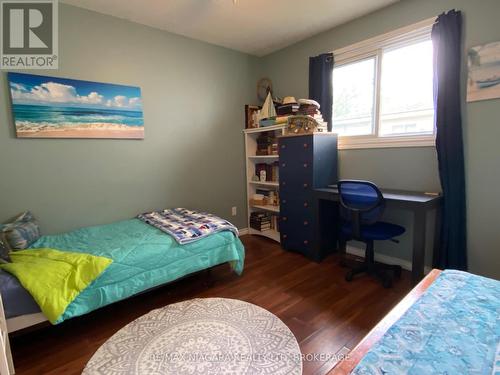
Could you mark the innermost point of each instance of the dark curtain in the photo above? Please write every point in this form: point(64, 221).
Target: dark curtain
point(320, 84)
point(446, 38)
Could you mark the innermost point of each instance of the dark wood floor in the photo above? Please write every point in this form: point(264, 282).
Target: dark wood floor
point(326, 314)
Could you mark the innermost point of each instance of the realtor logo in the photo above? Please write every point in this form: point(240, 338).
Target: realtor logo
point(29, 34)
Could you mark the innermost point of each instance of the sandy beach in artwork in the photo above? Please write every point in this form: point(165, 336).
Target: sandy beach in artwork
point(88, 130)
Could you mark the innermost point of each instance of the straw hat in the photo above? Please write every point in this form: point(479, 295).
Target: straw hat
point(289, 100)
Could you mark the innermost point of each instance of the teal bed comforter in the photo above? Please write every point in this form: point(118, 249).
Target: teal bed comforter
point(143, 257)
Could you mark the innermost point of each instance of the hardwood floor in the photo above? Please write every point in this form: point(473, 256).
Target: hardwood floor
point(326, 314)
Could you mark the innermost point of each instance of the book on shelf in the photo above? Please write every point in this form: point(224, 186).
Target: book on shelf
point(267, 144)
point(262, 221)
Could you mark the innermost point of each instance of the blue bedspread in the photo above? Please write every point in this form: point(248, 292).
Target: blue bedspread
point(143, 257)
point(454, 328)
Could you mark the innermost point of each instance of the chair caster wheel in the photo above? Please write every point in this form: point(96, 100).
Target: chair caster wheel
point(349, 276)
point(387, 282)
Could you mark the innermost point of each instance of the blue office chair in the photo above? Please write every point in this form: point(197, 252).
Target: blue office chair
point(362, 205)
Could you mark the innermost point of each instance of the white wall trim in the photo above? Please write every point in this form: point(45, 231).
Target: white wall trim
point(416, 31)
point(406, 265)
point(347, 143)
point(243, 231)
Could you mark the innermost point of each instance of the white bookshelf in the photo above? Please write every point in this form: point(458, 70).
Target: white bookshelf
point(251, 160)
point(263, 157)
point(267, 208)
point(271, 233)
point(275, 184)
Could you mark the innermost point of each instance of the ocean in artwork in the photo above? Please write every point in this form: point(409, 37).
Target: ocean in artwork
point(49, 107)
point(484, 72)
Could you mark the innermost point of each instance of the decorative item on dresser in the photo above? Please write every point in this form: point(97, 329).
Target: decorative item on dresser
point(306, 162)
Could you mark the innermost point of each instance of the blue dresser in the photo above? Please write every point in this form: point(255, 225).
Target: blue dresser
point(306, 162)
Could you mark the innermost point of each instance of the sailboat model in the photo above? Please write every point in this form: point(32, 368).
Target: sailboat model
point(268, 112)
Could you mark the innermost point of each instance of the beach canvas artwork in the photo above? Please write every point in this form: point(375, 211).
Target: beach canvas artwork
point(50, 107)
point(484, 72)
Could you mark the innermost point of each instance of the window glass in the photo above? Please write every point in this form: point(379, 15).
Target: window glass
point(353, 98)
point(406, 98)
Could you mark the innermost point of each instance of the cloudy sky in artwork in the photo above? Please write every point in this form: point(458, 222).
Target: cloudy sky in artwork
point(41, 90)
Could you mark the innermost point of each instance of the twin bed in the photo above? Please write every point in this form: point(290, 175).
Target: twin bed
point(448, 324)
point(143, 256)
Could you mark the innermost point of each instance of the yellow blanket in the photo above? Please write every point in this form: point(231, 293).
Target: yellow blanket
point(55, 278)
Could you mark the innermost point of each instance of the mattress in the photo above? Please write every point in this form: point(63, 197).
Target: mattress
point(143, 257)
point(16, 300)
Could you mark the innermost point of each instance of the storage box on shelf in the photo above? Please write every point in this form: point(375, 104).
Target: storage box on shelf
point(261, 149)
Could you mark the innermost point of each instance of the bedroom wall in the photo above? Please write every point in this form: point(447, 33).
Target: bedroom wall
point(192, 154)
point(416, 168)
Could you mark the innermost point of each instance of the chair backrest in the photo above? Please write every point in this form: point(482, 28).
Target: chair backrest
point(362, 202)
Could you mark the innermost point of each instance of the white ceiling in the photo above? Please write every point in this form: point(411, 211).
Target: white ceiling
point(257, 27)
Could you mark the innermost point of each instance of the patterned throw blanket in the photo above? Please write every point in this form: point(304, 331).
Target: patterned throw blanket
point(186, 225)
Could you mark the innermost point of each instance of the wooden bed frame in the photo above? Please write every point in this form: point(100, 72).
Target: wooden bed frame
point(345, 366)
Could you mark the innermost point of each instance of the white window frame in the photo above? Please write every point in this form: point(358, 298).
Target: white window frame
point(374, 47)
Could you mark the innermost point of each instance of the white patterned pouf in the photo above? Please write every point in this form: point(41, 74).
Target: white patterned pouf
point(201, 336)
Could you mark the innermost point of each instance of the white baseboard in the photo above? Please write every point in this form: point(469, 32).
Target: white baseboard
point(406, 265)
point(243, 231)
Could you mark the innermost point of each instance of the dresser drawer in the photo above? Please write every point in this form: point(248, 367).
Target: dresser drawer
point(296, 223)
point(296, 207)
point(298, 240)
point(296, 175)
point(293, 147)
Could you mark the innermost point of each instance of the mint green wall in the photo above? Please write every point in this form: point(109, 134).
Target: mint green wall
point(416, 168)
point(193, 153)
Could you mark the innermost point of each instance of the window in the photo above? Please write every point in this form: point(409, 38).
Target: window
point(353, 97)
point(382, 91)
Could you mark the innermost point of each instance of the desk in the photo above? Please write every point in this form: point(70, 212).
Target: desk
point(418, 203)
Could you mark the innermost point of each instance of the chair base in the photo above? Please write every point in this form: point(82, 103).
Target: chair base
point(370, 267)
point(379, 270)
